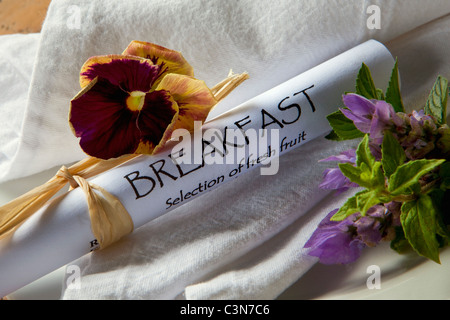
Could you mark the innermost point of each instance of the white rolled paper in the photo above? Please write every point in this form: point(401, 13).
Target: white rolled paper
point(263, 128)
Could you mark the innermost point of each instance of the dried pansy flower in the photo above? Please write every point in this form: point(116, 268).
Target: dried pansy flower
point(171, 61)
point(131, 103)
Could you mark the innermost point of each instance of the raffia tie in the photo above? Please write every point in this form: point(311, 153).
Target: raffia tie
point(110, 220)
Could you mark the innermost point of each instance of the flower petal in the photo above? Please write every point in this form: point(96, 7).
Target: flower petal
point(333, 243)
point(360, 122)
point(384, 118)
point(129, 72)
point(359, 105)
point(156, 121)
point(348, 156)
point(333, 179)
point(99, 116)
point(170, 60)
point(195, 100)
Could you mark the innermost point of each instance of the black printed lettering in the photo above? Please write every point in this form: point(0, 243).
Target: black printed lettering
point(138, 183)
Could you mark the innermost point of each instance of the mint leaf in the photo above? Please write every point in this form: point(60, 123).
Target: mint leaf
point(364, 83)
point(393, 95)
point(367, 172)
point(377, 177)
point(380, 94)
point(392, 154)
point(443, 142)
point(346, 210)
point(444, 175)
point(353, 174)
point(366, 200)
point(444, 170)
point(408, 174)
point(333, 136)
point(363, 175)
point(343, 128)
point(399, 243)
point(363, 153)
point(370, 168)
point(360, 202)
point(439, 197)
point(418, 219)
point(436, 104)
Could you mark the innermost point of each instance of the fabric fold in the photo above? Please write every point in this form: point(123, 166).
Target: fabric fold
point(18, 52)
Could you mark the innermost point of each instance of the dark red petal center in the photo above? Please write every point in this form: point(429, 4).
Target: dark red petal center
point(128, 74)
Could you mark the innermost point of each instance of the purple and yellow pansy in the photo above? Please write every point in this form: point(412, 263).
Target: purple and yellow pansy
point(131, 103)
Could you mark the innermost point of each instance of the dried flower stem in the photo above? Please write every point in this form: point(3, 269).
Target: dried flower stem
point(227, 85)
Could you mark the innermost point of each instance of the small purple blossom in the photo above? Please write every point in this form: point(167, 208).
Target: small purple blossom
point(370, 116)
point(360, 111)
point(369, 227)
point(333, 242)
point(333, 179)
point(341, 242)
point(423, 119)
point(394, 209)
point(420, 137)
point(384, 118)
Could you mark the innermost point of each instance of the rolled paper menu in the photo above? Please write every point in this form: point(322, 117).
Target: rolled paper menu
point(252, 135)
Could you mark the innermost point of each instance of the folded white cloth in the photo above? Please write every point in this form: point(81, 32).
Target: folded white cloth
point(238, 241)
point(17, 58)
point(273, 42)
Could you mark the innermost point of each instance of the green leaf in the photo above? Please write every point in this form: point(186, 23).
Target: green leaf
point(418, 219)
point(363, 153)
point(366, 200)
point(392, 154)
point(393, 95)
point(439, 198)
point(367, 173)
point(354, 174)
point(364, 83)
point(371, 169)
point(377, 176)
point(443, 142)
point(444, 175)
point(369, 178)
point(333, 136)
point(346, 210)
point(363, 176)
point(408, 174)
point(361, 202)
point(380, 94)
point(436, 104)
point(399, 243)
point(343, 128)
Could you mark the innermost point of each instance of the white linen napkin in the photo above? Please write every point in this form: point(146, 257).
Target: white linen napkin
point(243, 240)
point(272, 42)
point(17, 56)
